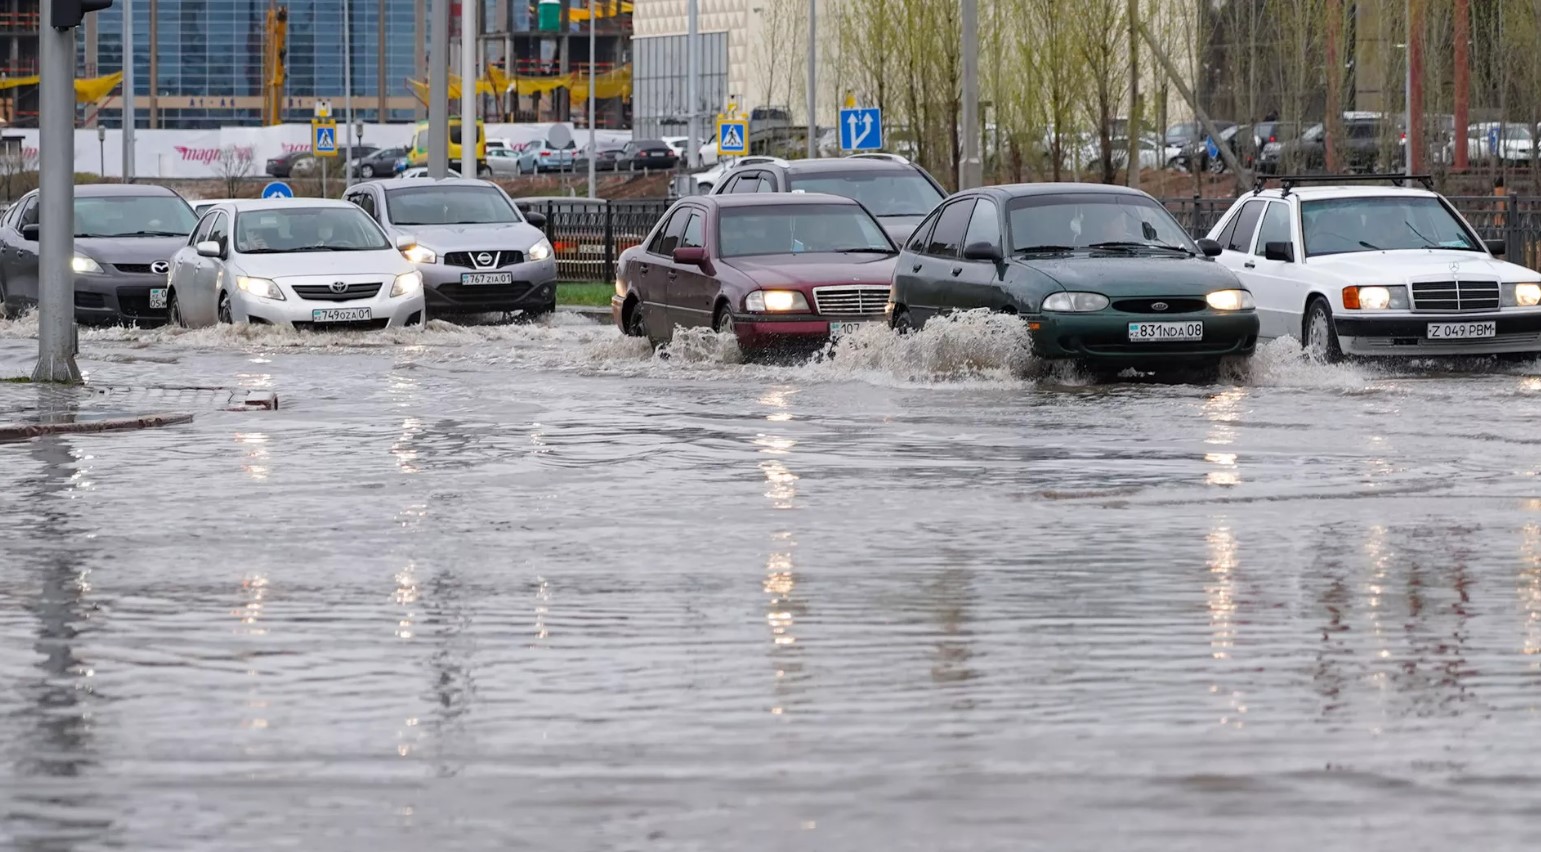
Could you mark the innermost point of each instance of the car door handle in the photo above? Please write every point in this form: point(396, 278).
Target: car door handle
point(915, 268)
point(956, 271)
point(673, 275)
point(642, 268)
point(1250, 265)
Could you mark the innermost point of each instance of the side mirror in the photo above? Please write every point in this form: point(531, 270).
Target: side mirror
point(208, 248)
point(405, 241)
point(983, 251)
point(536, 219)
point(691, 256)
point(1279, 251)
point(29, 232)
point(1210, 248)
point(1496, 247)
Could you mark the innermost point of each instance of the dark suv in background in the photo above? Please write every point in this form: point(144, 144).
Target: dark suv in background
point(1367, 143)
point(895, 190)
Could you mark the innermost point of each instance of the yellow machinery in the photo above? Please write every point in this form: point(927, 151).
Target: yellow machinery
point(275, 52)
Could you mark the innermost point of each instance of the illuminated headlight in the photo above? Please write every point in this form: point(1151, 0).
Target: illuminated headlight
point(1078, 303)
point(1527, 295)
point(81, 263)
point(1375, 298)
point(262, 288)
point(775, 301)
point(407, 284)
point(539, 251)
point(421, 254)
point(1230, 300)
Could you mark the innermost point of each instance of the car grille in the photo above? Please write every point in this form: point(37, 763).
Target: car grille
point(1173, 306)
point(135, 302)
point(850, 301)
point(1455, 295)
point(454, 296)
point(323, 292)
point(90, 300)
point(467, 259)
point(133, 268)
point(372, 325)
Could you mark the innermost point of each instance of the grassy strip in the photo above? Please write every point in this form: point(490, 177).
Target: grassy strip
point(588, 294)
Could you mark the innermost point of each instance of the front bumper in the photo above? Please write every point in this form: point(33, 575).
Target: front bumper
point(118, 299)
point(1406, 334)
point(385, 312)
point(791, 331)
point(1104, 337)
point(534, 287)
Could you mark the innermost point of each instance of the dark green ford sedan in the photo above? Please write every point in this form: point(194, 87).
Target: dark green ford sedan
point(1102, 275)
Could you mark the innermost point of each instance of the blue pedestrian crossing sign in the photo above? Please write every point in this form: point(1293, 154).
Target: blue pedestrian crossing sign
point(732, 137)
point(861, 129)
point(323, 138)
point(277, 189)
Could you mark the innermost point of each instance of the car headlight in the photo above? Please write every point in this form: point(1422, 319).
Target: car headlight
point(1527, 295)
point(421, 254)
point(81, 263)
point(775, 301)
point(1375, 298)
point(1230, 300)
point(260, 287)
point(1077, 303)
point(407, 284)
point(539, 251)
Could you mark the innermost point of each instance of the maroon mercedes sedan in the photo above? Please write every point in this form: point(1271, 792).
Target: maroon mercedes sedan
point(778, 271)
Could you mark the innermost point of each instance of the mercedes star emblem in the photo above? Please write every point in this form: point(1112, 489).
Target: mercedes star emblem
point(160, 267)
point(339, 286)
point(1158, 306)
point(1455, 267)
point(484, 259)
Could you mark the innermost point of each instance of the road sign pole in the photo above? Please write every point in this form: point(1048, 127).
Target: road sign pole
point(468, 43)
point(128, 91)
point(347, 90)
point(593, 144)
point(970, 166)
point(438, 90)
point(56, 205)
point(813, 77)
point(693, 85)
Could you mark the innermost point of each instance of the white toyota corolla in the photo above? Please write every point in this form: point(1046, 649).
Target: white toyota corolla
point(300, 262)
point(1359, 270)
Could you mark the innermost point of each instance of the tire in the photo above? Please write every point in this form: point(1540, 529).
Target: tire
point(1318, 338)
point(901, 321)
point(5, 305)
point(723, 322)
point(636, 326)
point(226, 314)
point(174, 311)
point(366, 171)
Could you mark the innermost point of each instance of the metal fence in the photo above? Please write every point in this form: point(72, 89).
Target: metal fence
point(588, 235)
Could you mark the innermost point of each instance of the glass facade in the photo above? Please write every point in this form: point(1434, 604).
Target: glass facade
point(211, 51)
point(659, 86)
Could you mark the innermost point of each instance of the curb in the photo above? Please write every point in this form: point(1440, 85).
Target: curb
point(586, 310)
point(26, 431)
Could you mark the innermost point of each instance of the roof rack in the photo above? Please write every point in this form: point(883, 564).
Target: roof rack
point(878, 155)
point(1288, 182)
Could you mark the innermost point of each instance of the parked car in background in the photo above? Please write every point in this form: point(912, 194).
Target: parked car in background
point(654, 154)
point(1102, 275)
point(304, 263)
point(420, 172)
point(378, 163)
point(608, 161)
point(898, 192)
point(125, 235)
point(477, 252)
point(543, 155)
point(776, 271)
point(295, 162)
point(1490, 141)
point(503, 162)
point(1370, 142)
point(202, 207)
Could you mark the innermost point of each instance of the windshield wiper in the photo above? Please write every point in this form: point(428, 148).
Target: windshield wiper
point(1130, 245)
point(867, 250)
point(153, 234)
point(95, 236)
point(898, 215)
point(319, 248)
point(1370, 247)
point(1043, 249)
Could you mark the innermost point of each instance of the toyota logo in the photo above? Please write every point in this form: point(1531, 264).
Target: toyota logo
point(484, 259)
point(339, 286)
point(1158, 306)
point(160, 267)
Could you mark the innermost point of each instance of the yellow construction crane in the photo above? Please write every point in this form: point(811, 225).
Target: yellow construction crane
point(275, 52)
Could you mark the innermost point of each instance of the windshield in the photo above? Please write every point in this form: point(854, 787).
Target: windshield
point(889, 192)
point(298, 229)
point(133, 216)
point(449, 205)
point(1388, 223)
point(1079, 220)
point(799, 229)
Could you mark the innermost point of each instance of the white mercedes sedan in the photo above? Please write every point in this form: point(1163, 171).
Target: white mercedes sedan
point(299, 262)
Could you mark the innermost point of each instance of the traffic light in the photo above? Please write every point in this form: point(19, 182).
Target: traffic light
point(67, 14)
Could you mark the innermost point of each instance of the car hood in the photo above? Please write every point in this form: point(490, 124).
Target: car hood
point(518, 236)
point(382, 262)
point(1135, 276)
point(1393, 267)
point(801, 271)
point(899, 228)
point(126, 250)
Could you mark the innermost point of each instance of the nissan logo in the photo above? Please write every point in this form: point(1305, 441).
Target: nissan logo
point(1158, 306)
point(160, 267)
point(484, 259)
point(339, 286)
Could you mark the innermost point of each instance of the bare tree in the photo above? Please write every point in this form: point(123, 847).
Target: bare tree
point(234, 165)
point(1103, 52)
point(18, 170)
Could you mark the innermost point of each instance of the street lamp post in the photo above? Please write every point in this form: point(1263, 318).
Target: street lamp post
point(101, 147)
point(593, 145)
point(813, 77)
point(347, 90)
point(970, 166)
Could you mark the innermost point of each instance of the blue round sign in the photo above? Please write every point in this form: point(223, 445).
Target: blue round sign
point(277, 189)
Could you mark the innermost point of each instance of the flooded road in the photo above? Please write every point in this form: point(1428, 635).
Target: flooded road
point(530, 587)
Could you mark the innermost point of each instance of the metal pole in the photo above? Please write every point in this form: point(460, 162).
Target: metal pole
point(1407, 87)
point(129, 115)
point(468, 129)
point(813, 78)
point(438, 89)
point(593, 144)
point(101, 147)
point(347, 91)
point(970, 167)
point(693, 84)
point(56, 205)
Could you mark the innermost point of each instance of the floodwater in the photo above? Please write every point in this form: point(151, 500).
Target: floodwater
point(533, 588)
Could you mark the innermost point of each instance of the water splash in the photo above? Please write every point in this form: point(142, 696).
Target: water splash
point(1281, 363)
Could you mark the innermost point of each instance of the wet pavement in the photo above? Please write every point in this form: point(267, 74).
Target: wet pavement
point(531, 587)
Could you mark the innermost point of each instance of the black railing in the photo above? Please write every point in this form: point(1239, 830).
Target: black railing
point(588, 235)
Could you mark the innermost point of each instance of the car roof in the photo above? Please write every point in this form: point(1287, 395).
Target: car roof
point(418, 183)
point(1022, 190)
point(105, 190)
point(250, 205)
point(1326, 192)
point(774, 199)
point(841, 164)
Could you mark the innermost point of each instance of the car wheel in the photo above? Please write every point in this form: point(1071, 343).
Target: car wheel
point(226, 315)
point(723, 323)
point(636, 323)
point(174, 311)
point(901, 321)
point(1321, 340)
point(366, 171)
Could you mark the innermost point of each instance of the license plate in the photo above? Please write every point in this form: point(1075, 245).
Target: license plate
point(341, 315)
point(158, 297)
point(840, 329)
point(486, 278)
point(1155, 332)
point(1462, 330)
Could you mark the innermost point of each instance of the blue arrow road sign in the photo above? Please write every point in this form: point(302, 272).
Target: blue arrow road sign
point(732, 137)
point(326, 140)
point(1211, 148)
point(861, 129)
point(1492, 141)
point(277, 189)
